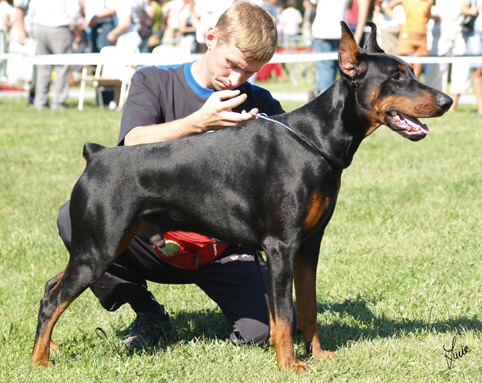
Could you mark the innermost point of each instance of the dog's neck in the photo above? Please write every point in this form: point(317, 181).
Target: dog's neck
point(332, 123)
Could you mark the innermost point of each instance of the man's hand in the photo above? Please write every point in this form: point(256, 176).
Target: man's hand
point(217, 112)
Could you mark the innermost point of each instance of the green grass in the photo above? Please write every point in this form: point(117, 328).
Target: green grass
point(399, 273)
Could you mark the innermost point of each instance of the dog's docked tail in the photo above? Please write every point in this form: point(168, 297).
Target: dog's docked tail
point(91, 148)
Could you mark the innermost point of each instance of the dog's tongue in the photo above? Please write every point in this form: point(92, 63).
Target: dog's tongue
point(411, 123)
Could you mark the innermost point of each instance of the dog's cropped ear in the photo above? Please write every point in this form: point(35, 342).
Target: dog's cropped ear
point(351, 58)
point(371, 45)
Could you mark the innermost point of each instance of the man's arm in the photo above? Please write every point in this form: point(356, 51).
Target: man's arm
point(363, 12)
point(20, 24)
point(388, 8)
point(123, 25)
point(215, 114)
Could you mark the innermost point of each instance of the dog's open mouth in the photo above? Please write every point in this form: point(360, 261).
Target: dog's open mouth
point(406, 126)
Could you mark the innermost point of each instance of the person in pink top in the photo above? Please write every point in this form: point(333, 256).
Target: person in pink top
point(357, 14)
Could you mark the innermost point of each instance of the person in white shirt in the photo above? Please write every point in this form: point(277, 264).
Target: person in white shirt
point(289, 23)
point(125, 34)
point(56, 24)
point(326, 32)
point(448, 40)
point(6, 21)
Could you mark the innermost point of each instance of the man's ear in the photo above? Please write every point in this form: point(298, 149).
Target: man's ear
point(211, 37)
point(351, 58)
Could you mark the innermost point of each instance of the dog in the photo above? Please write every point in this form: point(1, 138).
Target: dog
point(268, 184)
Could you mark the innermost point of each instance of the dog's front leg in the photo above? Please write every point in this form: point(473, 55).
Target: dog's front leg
point(281, 338)
point(280, 267)
point(305, 285)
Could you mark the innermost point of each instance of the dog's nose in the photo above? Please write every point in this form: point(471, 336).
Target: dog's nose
point(444, 101)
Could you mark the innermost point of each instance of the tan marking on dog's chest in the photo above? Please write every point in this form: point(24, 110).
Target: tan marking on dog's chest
point(315, 209)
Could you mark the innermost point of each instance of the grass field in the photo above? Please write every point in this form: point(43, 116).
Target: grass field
point(399, 275)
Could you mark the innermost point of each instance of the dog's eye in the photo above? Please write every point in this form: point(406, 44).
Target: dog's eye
point(397, 76)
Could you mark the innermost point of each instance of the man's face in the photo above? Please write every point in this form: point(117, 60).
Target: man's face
point(228, 67)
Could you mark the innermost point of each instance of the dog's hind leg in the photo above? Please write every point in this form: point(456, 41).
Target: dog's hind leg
point(48, 287)
point(84, 268)
point(305, 286)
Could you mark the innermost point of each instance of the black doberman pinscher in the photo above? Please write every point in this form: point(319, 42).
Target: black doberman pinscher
point(270, 185)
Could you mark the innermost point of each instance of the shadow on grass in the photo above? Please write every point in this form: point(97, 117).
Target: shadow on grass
point(368, 326)
point(188, 326)
point(211, 325)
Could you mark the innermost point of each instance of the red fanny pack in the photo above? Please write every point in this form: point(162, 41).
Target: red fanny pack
point(188, 250)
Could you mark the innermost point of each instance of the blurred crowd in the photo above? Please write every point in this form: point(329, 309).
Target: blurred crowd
point(405, 27)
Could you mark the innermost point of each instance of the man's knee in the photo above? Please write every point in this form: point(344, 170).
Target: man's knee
point(250, 332)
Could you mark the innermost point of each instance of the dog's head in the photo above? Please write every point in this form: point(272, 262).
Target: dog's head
point(386, 87)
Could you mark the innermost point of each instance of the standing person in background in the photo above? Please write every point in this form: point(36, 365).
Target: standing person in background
point(155, 12)
point(309, 7)
point(101, 21)
point(208, 12)
point(474, 46)
point(22, 40)
point(356, 16)
point(171, 11)
point(413, 34)
point(125, 33)
point(326, 32)
point(388, 27)
point(289, 23)
point(7, 18)
point(448, 40)
point(271, 6)
point(326, 38)
point(188, 25)
point(57, 23)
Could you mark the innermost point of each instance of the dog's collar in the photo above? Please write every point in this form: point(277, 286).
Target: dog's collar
point(326, 156)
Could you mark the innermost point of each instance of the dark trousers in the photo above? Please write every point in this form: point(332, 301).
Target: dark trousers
point(232, 281)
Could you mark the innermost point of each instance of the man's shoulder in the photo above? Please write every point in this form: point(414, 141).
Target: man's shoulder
point(161, 70)
point(166, 74)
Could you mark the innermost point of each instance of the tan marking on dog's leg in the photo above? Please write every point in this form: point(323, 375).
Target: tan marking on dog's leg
point(305, 287)
point(281, 338)
point(41, 349)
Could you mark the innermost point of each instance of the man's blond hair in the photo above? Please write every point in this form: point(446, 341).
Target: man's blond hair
point(251, 29)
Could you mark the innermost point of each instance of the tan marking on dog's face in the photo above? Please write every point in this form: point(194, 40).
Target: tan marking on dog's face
point(375, 118)
point(422, 106)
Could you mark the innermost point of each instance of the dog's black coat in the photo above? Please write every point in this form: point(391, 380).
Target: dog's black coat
point(256, 184)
